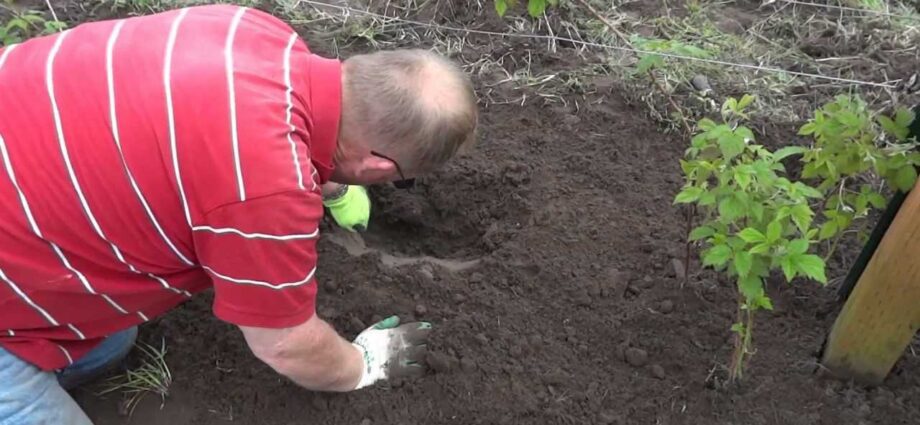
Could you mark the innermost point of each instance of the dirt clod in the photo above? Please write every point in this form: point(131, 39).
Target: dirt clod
point(678, 267)
point(636, 356)
point(421, 310)
point(658, 371)
point(666, 306)
point(441, 362)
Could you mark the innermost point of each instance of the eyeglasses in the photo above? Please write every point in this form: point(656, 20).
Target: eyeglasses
point(403, 183)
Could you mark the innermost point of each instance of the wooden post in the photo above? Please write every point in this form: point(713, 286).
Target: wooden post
point(882, 314)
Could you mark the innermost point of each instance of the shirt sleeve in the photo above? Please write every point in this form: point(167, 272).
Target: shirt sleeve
point(261, 256)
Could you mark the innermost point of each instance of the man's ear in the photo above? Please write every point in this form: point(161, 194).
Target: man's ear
point(375, 168)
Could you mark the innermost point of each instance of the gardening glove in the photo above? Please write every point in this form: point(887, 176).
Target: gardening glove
point(351, 209)
point(393, 351)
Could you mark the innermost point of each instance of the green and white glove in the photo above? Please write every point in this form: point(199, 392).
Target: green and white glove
point(351, 209)
point(393, 351)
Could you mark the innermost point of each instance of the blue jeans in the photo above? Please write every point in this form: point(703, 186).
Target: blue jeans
point(30, 396)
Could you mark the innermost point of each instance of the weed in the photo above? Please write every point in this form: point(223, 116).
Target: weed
point(24, 24)
point(153, 376)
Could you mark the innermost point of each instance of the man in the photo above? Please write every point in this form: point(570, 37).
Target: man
point(148, 159)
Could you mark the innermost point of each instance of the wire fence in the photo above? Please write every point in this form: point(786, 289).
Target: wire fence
point(764, 68)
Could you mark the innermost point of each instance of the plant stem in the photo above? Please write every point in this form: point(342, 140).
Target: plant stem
point(691, 212)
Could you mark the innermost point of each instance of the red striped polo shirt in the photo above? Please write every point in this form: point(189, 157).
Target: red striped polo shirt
point(150, 158)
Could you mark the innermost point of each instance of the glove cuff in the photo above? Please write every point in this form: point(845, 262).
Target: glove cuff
point(366, 377)
point(337, 198)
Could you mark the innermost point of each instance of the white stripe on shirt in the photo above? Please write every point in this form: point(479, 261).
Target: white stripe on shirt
point(170, 115)
point(228, 59)
point(28, 300)
point(290, 106)
point(222, 230)
point(66, 354)
point(110, 76)
point(305, 280)
point(34, 226)
point(6, 52)
point(87, 211)
point(76, 331)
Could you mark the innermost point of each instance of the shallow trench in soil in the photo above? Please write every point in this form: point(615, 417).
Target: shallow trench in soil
point(544, 260)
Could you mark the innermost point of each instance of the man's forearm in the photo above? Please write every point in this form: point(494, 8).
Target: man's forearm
point(313, 355)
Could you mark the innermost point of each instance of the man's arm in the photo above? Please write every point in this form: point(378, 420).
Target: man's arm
point(311, 354)
point(314, 356)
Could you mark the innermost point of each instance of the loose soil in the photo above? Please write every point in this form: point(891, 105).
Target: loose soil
point(548, 261)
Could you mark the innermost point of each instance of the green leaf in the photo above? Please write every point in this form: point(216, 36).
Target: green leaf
point(701, 232)
point(905, 178)
point(751, 287)
point(717, 256)
point(738, 328)
point(731, 208)
point(904, 117)
point(745, 101)
point(828, 230)
point(743, 262)
point(810, 265)
point(688, 195)
point(647, 62)
point(751, 235)
point(706, 124)
point(788, 268)
point(501, 6)
point(787, 152)
point(757, 211)
point(798, 246)
point(553, 2)
point(745, 133)
point(743, 177)
point(802, 216)
point(877, 200)
point(762, 248)
point(764, 302)
point(808, 129)
point(731, 146)
point(707, 199)
point(774, 231)
point(536, 7)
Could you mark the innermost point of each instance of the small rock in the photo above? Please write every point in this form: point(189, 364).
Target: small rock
point(476, 277)
point(421, 310)
point(701, 84)
point(331, 286)
point(569, 330)
point(459, 298)
point(440, 362)
point(636, 357)
point(482, 338)
point(658, 371)
point(366, 421)
point(467, 364)
point(666, 306)
point(678, 266)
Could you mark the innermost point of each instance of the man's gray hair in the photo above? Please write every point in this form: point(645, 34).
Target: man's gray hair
point(413, 105)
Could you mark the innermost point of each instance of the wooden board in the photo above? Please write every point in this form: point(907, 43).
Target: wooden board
point(882, 314)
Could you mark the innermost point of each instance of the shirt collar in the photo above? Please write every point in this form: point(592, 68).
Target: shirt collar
point(326, 107)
